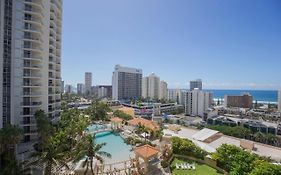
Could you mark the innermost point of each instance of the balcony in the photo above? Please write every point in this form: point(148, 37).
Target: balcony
point(28, 122)
point(37, 3)
point(32, 66)
point(31, 104)
point(32, 47)
point(33, 10)
point(31, 75)
point(31, 57)
point(32, 39)
point(32, 85)
point(32, 94)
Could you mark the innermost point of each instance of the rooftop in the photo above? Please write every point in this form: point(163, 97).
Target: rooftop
point(147, 123)
point(204, 134)
point(146, 151)
point(116, 120)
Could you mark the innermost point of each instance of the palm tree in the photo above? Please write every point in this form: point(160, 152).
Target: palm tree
point(9, 136)
point(89, 149)
point(51, 155)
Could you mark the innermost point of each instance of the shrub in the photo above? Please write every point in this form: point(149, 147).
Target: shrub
point(187, 148)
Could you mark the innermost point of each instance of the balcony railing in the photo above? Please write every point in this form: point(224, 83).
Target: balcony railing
point(31, 103)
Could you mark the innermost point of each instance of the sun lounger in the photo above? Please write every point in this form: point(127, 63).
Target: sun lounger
point(177, 166)
point(193, 167)
point(185, 166)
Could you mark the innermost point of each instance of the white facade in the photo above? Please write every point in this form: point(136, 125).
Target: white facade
point(151, 87)
point(177, 95)
point(68, 88)
point(80, 89)
point(163, 91)
point(88, 82)
point(32, 62)
point(197, 102)
point(102, 92)
point(126, 83)
point(279, 100)
point(145, 87)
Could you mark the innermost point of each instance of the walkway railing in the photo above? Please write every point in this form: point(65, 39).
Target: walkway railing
point(118, 167)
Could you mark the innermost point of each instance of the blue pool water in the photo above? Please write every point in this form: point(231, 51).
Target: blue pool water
point(115, 145)
point(95, 127)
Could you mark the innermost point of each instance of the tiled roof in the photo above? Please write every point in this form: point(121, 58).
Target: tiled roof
point(147, 123)
point(116, 120)
point(146, 151)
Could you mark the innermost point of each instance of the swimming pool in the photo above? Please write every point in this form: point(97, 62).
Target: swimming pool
point(95, 127)
point(116, 146)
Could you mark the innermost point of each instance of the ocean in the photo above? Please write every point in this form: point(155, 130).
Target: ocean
point(262, 96)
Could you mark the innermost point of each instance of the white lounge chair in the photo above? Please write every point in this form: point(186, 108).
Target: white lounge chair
point(188, 166)
point(185, 166)
point(177, 166)
point(193, 167)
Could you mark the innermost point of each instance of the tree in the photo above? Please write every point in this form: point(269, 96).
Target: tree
point(98, 111)
point(266, 168)
point(9, 136)
point(56, 147)
point(51, 155)
point(235, 160)
point(122, 115)
point(89, 149)
point(44, 127)
point(187, 147)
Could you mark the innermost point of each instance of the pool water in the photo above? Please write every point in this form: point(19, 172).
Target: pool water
point(115, 145)
point(95, 127)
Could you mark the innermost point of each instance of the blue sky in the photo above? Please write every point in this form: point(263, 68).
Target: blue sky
point(230, 44)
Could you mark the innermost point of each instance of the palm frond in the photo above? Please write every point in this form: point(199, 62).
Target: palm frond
point(104, 154)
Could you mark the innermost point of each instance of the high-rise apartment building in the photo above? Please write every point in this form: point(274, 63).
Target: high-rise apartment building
point(68, 88)
point(163, 90)
point(88, 83)
point(62, 86)
point(30, 62)
point(279, 100)
point(151, 87)
point(104, 91)
point(197, 102)
point(239, 101)
point(80, 88)
point(177, 95)
point(195, 84)
point(126, 83)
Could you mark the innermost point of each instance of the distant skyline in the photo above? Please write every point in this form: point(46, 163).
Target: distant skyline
point(234, 44)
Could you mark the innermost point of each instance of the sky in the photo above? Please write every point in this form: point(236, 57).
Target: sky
point(229, 44)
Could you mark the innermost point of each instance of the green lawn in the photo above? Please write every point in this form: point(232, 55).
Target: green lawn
point(201, 169)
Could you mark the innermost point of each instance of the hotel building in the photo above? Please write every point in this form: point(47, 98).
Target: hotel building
point(126, 83)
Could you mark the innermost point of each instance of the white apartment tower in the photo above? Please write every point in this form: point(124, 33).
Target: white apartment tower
point(80, 88)
point(177, 95)
point(151, 86)
point(126, 83)
point(30, 62)
point(163, 91)
point(144, 92)
point(88, 83)
point(197, 102)
point(279, 100)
